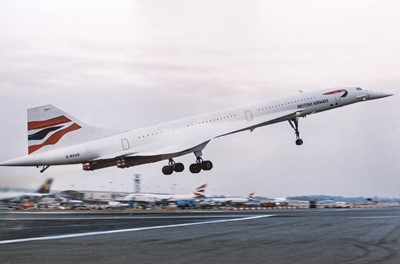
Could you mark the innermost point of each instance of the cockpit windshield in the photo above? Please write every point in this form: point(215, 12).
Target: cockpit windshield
point(358, 89)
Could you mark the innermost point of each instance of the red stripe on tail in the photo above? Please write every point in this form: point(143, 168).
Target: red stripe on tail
point(53, 139)
point(49, 122)
point(201, 186)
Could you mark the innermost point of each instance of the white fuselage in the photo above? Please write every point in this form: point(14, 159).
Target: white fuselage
point(225, 200)
point(150, 197)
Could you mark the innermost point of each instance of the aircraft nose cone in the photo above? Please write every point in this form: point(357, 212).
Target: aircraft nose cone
point(376, 95)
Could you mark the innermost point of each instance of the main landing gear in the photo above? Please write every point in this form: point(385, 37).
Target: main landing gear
point(294, 123)
point(172, 166)
point(200, 165)
point(205, 165)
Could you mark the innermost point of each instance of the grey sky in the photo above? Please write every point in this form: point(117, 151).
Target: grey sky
point(128, 64)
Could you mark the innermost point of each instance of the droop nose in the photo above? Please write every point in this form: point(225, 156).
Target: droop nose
point(376, 95)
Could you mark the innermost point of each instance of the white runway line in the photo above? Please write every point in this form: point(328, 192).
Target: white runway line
point(127, 230)
point(90, 218)
point(375, 217)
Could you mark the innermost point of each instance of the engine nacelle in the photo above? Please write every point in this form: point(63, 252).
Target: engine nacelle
point(87, 166)
point(121, 163)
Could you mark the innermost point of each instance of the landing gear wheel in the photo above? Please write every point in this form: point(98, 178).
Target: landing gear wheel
point(179, 167)
point(195, 168)
point(172, 166)
point(299, 142)
point(200, 164)
point(167, 170)
point(206, 165)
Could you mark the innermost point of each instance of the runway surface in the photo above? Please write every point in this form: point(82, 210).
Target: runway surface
point(275, 236)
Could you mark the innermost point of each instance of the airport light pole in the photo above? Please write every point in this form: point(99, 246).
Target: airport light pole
point(136, 183)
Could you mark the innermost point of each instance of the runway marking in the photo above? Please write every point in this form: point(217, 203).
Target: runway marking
point(128, 230)
point(90, 218)
point(375, 217)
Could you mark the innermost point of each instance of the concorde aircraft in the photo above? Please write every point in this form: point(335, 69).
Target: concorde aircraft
point(57, 138)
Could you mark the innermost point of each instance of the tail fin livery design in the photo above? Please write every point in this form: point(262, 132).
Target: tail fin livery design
point(50, 128)
point(46, 126)
point(199, 191)
point(45, 188)
point(250, 196)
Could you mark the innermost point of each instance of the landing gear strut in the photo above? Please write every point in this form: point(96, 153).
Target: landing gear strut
point(205, 165)
point(294, 123)
point(172, 166)
point(44, 168)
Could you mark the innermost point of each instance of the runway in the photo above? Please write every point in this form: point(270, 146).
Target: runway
point(277, 236)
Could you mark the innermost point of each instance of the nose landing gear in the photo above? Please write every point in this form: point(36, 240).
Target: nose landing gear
point(294, 123)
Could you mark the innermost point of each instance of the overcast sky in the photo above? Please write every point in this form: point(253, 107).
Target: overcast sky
point(129, 64)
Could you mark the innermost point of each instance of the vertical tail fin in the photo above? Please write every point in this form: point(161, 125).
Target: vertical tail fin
point(250, 196)
point(50, 128)
point(199, 191)
point(45, 188)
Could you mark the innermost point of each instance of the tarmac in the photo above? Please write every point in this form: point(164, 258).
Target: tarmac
point(355, 236)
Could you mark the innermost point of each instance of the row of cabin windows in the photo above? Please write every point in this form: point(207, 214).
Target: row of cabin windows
point(199, 123)
point(230, 116)
point(288, 103)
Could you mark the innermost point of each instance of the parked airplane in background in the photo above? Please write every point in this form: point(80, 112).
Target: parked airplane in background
point(230, 200)
point(197, 193)
point(57, 138)
point(44, 190)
